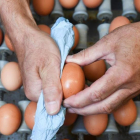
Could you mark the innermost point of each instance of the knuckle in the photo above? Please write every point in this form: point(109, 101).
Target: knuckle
point(96, 96)
point(84, 53)
point(76, 104)
point(106, 108)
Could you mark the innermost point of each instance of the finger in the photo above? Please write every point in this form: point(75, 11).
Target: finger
point(51, 85)
point(94, 52)
point(99, 90)
point(106, 106)
point(31, 82)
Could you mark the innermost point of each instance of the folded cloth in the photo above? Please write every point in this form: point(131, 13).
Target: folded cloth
point(46, 126)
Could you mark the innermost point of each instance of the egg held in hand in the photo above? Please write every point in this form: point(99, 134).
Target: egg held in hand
point(72, 80)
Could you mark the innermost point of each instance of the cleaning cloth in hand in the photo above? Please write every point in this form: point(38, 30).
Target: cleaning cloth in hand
point(46, 126)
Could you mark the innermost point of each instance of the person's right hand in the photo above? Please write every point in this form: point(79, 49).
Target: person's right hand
point(39, 60)
point(121, 82)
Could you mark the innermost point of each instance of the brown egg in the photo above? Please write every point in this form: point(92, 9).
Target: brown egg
point(68, 3)
point(30, 114)
point(10, 119)
point(137, 5)
point(92, 3)
point(43, 7)
point(73, 80)
point(94, 70)
point(1, 37)
point(11, 76)
point(8, 43)
point(118, 22)
point(96, 124)
point(76, 37)
point(126, 114)
point(45, 28)
point(70, 118)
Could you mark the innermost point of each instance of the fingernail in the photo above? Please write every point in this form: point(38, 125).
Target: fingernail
point(71, 110)
point(52, 107)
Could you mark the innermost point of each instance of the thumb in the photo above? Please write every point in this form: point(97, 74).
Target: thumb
point(51, 85)
point(96, 52)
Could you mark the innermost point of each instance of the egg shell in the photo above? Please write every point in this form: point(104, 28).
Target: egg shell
point(8, 43)
point(94, 70)
point(118, 22)
point(30, 114)
point(68, 4)
point(92, 3)
point(72, 80)
point(43, 7)
point(137, 5)
point(10, 119)
point(45, 28)
point(1, 37)
point(96, 124)
point(76, 37)
point(126, 114)
point(70, 118)
point(11, 76)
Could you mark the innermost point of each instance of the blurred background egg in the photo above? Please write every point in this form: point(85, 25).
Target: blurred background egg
point(68, 3)
point(76, 37)
point(92, 3)
point(43, 7)
point(118, 22)
point(126, 114)
point(1, 37)
point(94, 70)
point(11, 76)
point(137, 5)
point(70, 118)
point(96, 124)
point(8, 43)
point(30, 114)
point(45, 28)
point(10, 119)
point(72, 80)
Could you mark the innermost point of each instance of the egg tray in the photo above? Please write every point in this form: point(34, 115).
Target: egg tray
point(93, 37)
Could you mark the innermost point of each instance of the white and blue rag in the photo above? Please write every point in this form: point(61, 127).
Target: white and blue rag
point(46, 126)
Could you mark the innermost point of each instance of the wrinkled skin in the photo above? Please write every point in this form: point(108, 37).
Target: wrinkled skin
point(38, 55)
point(121, 82)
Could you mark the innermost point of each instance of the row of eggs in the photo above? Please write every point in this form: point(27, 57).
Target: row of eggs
point(45, 7)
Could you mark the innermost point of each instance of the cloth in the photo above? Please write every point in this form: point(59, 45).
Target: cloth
point(46, 126)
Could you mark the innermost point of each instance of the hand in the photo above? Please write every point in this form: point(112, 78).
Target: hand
point(121, 82)
point(39, 61)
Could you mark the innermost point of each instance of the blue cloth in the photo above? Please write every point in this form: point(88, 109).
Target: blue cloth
point(46, 126)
